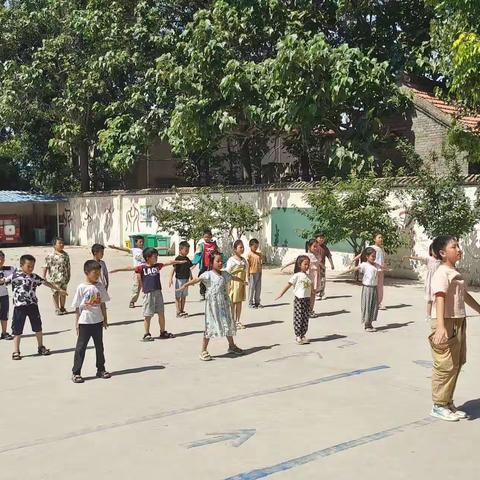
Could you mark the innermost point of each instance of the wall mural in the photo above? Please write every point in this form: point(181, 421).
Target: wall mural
point(133, 219)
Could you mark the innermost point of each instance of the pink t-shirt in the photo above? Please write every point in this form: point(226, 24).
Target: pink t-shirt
point(449, 281)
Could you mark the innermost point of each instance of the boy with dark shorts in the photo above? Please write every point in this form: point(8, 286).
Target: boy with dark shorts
point(183, 274)
point(149, 278)
point(24, 284)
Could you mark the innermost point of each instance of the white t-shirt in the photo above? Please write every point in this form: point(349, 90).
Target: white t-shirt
point(370, 274)
point(380, 255)
point(302, 285)
point(5, 272)
point(88, 299)
point(137, 255)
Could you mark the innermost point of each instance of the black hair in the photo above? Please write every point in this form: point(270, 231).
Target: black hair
point(376, 234)
point(253, 241)
point(27, 258)
point(237, 243)
point(320, 234)
point(214, 254)
point(207, 231)
point(309, 244)
point(97, 247)
point(440, 243)
point(430, 250)
point(366, 253)
point(2, 254)
point(299, 261)
point(136, 238)
point(148, 252)
point(184, 244)
point(57, 239)
point(91, 265)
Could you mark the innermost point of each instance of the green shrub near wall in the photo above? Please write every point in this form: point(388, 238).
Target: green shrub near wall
point(287, 224)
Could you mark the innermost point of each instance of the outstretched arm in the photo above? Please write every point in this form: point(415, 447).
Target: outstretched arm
point(170, 279)
point(287, 265)
point(189, 284)
point(356, 258)
point(283, 291)
point(238, 279)
point(416, 259)
point(54, 287)
point(124, 269)
point(122, 249)
point(471, 302)
point(174, 262)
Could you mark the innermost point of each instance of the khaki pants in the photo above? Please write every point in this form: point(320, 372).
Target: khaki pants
point(448, 359)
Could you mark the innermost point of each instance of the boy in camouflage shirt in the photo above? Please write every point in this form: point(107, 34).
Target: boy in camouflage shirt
point(57, 265)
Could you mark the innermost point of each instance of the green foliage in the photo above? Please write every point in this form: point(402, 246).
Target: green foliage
point(189, 215)
point(353, 210)
point(438, 200)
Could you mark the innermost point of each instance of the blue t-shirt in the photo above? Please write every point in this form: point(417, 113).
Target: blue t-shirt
point(150, 276)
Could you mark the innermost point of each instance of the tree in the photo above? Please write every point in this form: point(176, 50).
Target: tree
point(438, 200)
point(353, 210)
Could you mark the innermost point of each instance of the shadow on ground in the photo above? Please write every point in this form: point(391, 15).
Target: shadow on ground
point(248, 351)
point(327, 338)
point(392, 326)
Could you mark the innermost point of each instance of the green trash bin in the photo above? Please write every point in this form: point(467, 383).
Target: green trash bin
point(163, 245)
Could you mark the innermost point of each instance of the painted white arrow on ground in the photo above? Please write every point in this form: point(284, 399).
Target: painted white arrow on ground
point(237, 438)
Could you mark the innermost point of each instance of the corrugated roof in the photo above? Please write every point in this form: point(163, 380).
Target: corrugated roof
point(16, 196)
point(420, 91)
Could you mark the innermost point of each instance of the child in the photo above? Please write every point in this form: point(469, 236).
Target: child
point(237, 266)
point(218, 316)
point(322, 254)
point(448, 338)
point(24, 284)
point(302, 289)
point(98, 252)
point(202, 257)
point(5, 271)
point(137, 256)
point(91, 319)
point(432, 264)
point(380, 260)
point(148, 274)
point(255, 261)
point(311, 250)
point(183, 274)
point(57, 266)
point(369, 303)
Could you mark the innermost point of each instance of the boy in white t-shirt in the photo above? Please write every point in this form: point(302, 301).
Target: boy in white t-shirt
point(370, 270)
point(91, 319)
point(302, 289)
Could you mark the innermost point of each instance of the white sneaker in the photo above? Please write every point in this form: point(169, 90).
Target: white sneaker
point(458, 413)
point(371, 329)
point(444, 413)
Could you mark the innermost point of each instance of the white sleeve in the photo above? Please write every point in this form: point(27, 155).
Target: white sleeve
point(230, 265)
point(77, 299)
point(293, 280)
point(104, 297)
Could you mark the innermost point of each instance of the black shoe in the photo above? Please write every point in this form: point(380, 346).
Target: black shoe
point(6, 336)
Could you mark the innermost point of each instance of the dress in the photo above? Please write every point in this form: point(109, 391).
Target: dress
point(218, 315)
point(238, 268)
point(314, 271)
point(432, 265)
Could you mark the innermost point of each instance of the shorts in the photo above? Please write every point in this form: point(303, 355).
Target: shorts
point(180, 282)
point(4, 307)
point(153, 303)
point(21, 313)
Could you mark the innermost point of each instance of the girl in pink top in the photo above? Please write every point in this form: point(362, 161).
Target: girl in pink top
point(432, 264)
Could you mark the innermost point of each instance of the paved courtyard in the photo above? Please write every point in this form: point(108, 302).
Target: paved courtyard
point(349, 405)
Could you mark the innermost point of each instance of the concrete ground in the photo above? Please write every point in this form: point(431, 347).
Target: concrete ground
point(349, 405)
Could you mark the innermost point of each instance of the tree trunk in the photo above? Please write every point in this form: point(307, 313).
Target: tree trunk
point(83, 167)
point(246, 161)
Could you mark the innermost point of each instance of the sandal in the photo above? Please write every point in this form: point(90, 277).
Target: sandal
point(43, 351)
point(77, 379)
point(184, 314)
point(205, 356)
point(16, 356)
point(6, 336)
point(104, 374)
point(58, 311)
point(63, 311)
point(147, 338)
point(241, 326)
point(234, 350)
point(131, 305)
point(166, 334)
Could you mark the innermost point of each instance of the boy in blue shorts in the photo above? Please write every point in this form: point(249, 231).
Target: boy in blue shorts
point(24, 284)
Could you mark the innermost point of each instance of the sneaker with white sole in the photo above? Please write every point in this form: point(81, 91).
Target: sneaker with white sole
point(443, 413)
point(458, 413)
point(370, 329)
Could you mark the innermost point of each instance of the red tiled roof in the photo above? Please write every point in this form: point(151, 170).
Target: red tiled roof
point(470, 122)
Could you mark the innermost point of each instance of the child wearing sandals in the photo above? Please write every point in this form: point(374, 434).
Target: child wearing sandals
point(218, 315)
point(91, 319)
point(24, 284)
point(237, 266)
point(5, 271)
point(183, 274)
point(448, 339)
point(302, 289)
point(148, 275)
